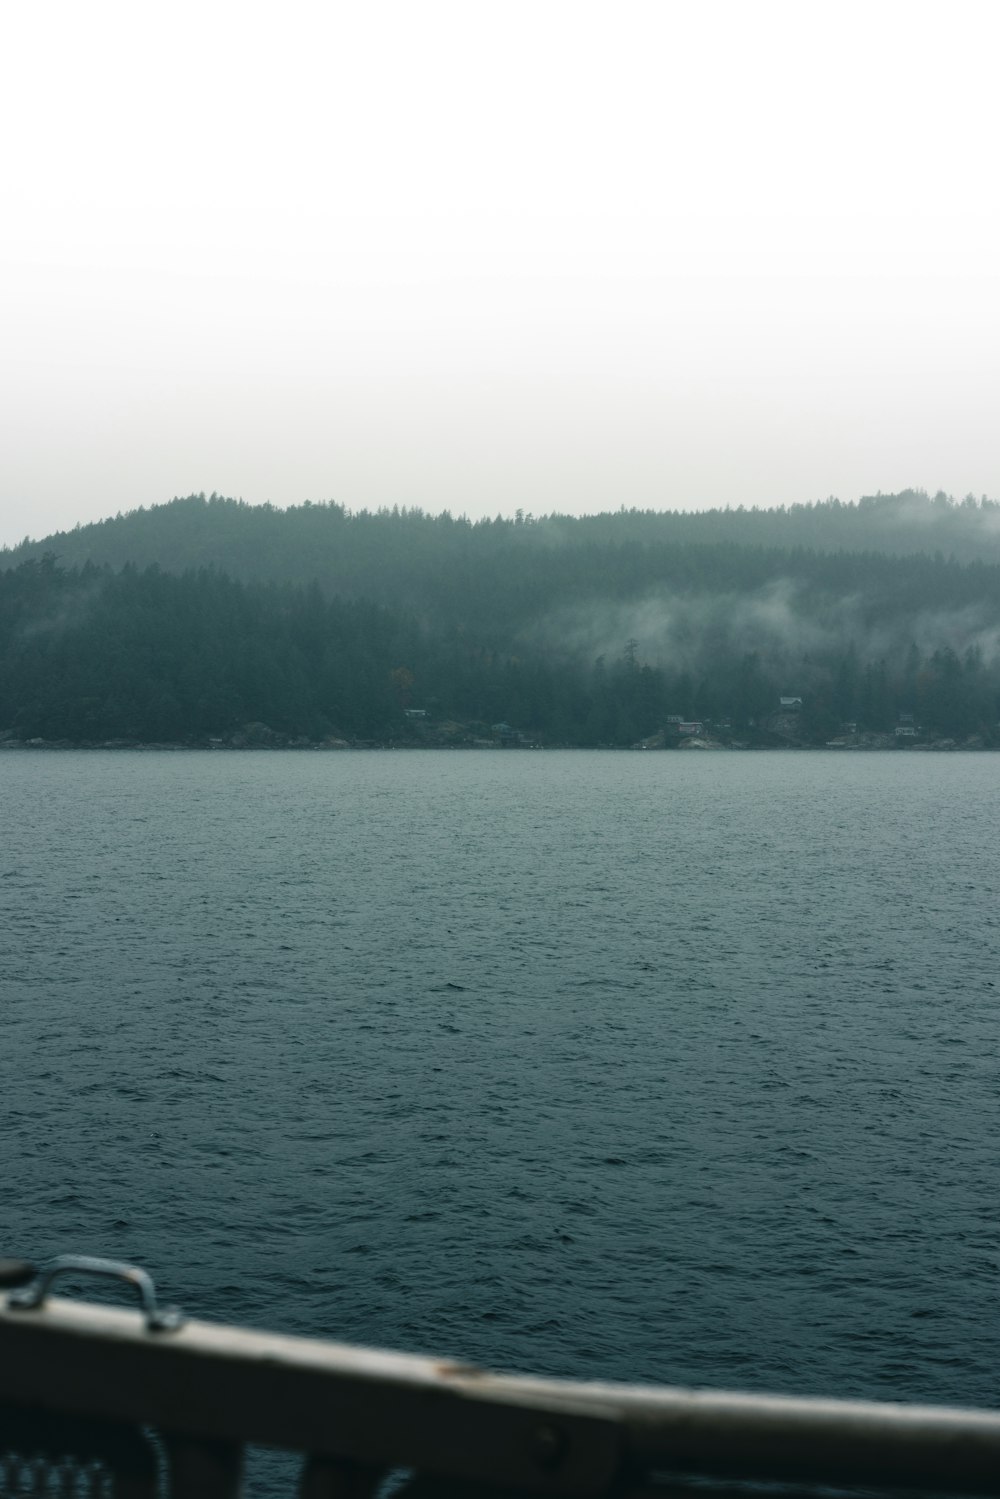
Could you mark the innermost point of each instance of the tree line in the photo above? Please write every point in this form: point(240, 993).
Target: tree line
point(99, 653)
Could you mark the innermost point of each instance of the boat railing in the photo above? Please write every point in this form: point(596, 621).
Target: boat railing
point(98, 1399)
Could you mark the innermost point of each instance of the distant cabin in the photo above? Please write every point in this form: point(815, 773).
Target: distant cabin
point(789, 704)
point(675, 718)
point(415, 712)
point(691, 728)
point(906, 731)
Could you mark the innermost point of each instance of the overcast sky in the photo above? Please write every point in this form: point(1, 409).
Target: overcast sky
point(546, 254)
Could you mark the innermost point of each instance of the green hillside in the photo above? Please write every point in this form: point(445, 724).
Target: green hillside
point(386, 552)
point(192, 620)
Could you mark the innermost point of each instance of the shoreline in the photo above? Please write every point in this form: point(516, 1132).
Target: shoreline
point(940, 746)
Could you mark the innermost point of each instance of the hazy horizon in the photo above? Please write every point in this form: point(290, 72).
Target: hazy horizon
point(551, 257)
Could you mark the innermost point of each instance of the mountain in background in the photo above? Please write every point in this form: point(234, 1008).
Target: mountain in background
point(376, 554)
point(196, 619)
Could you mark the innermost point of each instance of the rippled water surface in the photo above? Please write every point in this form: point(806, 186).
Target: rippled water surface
point(652, 1067)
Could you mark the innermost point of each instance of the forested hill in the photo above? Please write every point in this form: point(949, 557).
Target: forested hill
point(419, 631)
point(398, 554)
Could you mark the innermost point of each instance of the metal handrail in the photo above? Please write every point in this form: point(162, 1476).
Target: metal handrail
point(370, 1411)
point(158, 1319)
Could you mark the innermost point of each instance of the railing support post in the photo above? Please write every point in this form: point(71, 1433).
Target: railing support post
point(333, 1478)
point(203, 1469)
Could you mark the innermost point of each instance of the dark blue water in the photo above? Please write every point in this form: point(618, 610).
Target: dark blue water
point(651, 1067)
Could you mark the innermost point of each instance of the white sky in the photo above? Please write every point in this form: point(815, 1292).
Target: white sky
point(548, 254)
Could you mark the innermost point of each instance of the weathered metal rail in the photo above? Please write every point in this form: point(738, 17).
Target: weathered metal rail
point(82, 1384)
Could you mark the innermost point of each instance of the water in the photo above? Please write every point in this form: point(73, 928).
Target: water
point(649, 1067)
